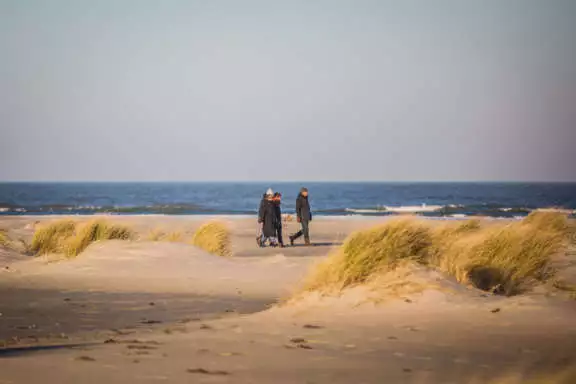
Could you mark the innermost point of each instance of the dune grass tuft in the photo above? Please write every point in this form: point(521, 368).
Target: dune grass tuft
point(4, 240)
point(95, 230)
point(51, 237)
point(155, 235)
point(502, 258)
point(174, 237)
point(213, 237)
point(548, 221)
point(560, 375)
point(69, 238)
point(158, 235)
point(369, 252)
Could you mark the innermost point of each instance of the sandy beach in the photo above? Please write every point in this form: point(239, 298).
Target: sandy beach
point(148, 311)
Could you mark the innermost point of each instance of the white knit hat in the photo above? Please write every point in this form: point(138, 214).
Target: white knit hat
point(269, 192)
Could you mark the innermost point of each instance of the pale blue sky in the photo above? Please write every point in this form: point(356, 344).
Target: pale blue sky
point(288, 90)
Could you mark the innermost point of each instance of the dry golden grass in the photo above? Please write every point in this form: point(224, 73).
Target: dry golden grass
point(213, 237)
point(502, 258)
point(370, 252)
point(96, 230)
point(547, 221)
point(155, 235)
point(174, 236)
point(51, 237)
point(4, 240)
point(158, 235)
point(565, 375)
point(70, 238)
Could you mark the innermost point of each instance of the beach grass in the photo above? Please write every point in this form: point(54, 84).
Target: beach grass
point(51, 237)
point(4, 240)
point(159, 235)
point(547, 221)
point(503, 258)
point(174, 236)
point(71, 238)
point(155, 235)
point(562, 375)
point(213, 237)
point(95, 230)
point(369, 252)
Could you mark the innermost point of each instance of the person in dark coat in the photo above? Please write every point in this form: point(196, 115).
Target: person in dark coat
point(267, 218)
point(260, 236)
point(304, 217)
point(277, 203)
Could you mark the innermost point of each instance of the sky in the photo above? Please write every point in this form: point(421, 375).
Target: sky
point(430, 90)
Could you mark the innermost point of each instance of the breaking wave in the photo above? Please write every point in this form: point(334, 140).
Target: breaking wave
point(451, 210)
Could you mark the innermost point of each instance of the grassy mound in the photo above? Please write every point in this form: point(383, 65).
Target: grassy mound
point(96, 230)
point(547, 221)
point(51, 237)
point(213, 237)
point(369, 252)
point(70, 238)
point(501, 258)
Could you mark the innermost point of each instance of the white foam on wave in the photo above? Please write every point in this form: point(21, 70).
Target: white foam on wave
point(399, 209)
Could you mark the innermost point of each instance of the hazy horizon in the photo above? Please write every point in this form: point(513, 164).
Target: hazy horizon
point(342, 91)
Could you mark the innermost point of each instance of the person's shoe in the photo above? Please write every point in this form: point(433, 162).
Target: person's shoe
point(307, 243)
point(259, 241)
point(291, 241)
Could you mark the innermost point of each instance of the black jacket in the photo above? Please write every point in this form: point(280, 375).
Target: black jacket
point(303, 208)
point(267, 216)
point(278, 212)
point(262, 202)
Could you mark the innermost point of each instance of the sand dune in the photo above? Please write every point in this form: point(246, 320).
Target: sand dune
point(168, 312)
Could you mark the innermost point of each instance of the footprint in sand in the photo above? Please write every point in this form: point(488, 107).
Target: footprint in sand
point(85, 358)
point(312, 326)
point(141, 347)
point(203, 371)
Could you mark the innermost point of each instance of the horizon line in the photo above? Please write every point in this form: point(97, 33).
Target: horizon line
point(281, 181)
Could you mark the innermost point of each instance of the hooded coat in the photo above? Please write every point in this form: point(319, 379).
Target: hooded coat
point(267, 216)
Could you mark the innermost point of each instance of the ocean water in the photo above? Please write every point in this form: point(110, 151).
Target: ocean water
point(429, 199)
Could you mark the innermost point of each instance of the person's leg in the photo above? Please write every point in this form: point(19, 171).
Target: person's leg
point(306, 232)
point(297, 234)
point(279, 234)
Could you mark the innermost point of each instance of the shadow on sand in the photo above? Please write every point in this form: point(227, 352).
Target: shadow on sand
point(19, 351)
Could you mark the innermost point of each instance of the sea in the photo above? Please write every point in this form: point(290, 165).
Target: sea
point(326, 198)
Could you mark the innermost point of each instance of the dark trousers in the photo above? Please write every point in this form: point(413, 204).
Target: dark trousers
point(279, 234)
point(304, 231)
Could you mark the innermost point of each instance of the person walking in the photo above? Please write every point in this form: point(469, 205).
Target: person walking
point(278, 209)
point(267, 219)
point(260, 235)
point(303, 216)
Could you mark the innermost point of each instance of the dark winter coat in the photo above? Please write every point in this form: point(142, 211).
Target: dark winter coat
point(303, 209)
point(278, 212)
point(267, 216)
point(262, 202)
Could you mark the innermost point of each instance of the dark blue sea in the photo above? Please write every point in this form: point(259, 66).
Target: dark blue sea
point(180, 198)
